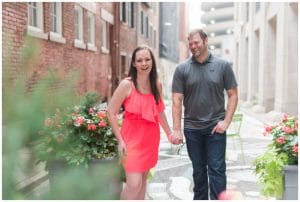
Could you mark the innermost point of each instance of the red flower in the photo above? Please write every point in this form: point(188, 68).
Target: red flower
point(101, 114)
point(79, 120)
point(91, 127)
point(268, 129)
point(102, 124)
point(287, 130)
point(285, 117)
point(295, 148)
point(280, 140)
point(91, 110)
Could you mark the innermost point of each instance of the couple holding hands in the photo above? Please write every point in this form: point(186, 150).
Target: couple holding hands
point(199, 84)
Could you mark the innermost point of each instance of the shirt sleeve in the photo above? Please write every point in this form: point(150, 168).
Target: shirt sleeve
point(229, 78)
point(178, 81)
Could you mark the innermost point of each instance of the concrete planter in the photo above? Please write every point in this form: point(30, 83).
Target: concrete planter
point(290, 174)
point(101, 181)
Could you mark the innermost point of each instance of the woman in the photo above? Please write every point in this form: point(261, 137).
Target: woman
point(138, 139)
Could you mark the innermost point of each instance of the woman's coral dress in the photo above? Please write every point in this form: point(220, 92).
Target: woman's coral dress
point(140, 131)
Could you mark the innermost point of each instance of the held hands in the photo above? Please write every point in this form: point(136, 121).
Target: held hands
point(175, 137)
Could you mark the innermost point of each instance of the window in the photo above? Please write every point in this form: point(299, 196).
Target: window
point(123, 66)
point(123, 12)
point(151, 34)
point(104, 37)
point(257, 6)
point(35, 25)
point(107, 20)
point(154, 38)
point(147, 26)
point(142, 22)
point(32, 14)
point(78, 25)
point(56, 22)
point(131, 12)
point(91, 32)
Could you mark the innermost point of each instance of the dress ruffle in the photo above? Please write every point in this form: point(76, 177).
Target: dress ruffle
point(148, 109)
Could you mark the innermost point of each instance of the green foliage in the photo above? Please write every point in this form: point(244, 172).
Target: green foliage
point(77, 135)
point(28, 100)
point(282, 151)
point(25, 106)
point(268, 167)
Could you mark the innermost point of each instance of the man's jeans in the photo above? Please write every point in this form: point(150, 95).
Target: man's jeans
point(207, 153)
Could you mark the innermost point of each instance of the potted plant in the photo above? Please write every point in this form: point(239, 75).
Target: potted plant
point(281, 155)
point(79, 137)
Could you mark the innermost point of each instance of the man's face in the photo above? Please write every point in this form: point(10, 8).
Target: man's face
point(196, 45)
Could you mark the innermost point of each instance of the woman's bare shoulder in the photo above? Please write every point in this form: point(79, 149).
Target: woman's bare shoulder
point(125, 87)
point(125, 82)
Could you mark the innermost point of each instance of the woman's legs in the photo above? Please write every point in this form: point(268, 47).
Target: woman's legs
point(143, 188)
point(135, 186)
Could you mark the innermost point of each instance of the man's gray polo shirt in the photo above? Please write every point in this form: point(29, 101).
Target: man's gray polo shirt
point(202, 85)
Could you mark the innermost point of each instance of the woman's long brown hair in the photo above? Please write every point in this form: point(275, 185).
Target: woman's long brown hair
point(153, 73)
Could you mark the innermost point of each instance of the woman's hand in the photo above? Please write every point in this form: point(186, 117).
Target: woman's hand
point(174, 139)
point(121, 150)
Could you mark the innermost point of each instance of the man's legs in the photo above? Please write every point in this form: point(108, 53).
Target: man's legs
point(216, 148)
point(196, 148)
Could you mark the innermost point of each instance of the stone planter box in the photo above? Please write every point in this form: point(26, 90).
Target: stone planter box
point(290, 183)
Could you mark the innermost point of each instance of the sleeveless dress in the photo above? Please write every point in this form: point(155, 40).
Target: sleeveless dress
point(140, 131)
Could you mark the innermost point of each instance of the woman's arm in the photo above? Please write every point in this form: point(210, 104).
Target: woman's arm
point(120, 94)
point(163, 121)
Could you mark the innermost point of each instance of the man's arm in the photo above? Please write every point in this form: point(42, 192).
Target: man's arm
point(176, 114)
point(231, 105)
point(222, 126)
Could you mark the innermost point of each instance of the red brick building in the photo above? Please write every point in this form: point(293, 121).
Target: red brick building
point(138, 25)
point(95, 38)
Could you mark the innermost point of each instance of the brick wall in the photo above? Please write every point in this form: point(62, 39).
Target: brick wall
point(94, 66)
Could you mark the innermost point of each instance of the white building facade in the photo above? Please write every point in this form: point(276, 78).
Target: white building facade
point(266, 55)
point(219, 24)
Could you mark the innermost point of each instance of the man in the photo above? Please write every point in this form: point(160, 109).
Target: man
point(199, 83)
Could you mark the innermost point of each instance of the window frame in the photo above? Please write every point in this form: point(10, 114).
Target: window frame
point(91, 32)
point(56, 35)
point(38, 29)
point(78, 42)
point(104, 37)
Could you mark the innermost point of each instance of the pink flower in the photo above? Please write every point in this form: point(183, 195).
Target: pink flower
point(285, 117)
point(287, 130)
point(295, 148)
point(268, 129)
point(230, 195)
point(280, 140)
point(48, 122)
point(91, 127)
point(101, 114)
point(91, 110)
point(102, 124)
point(79, 120)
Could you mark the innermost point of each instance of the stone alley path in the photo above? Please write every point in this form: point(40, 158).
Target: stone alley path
point(173, 173)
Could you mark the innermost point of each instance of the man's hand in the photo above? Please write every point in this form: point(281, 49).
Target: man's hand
point(176, 137)
point(221, 127)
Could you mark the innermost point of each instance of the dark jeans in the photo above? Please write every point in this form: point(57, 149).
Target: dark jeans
point(207, 153)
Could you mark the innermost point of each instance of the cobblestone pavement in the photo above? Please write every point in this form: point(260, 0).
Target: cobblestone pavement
point(173, 173)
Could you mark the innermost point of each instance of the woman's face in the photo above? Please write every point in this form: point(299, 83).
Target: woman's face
point(143, 62)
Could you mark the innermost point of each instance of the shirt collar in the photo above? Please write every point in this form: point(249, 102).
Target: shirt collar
point(208, 59)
